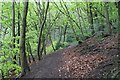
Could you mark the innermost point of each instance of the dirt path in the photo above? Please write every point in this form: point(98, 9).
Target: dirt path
point(90, 59)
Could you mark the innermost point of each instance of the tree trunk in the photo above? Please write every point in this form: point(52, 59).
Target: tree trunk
point(78, 12)
point(18, 42)
point(65, 31)
point(13, 28)
point(40, 34)
point(119, 25)
point(51, 42)
point(29, 59)
point(119, 14)
point(107, 18)
point(70, 20)
point(63, 12)
point(91, 19)
point(44, 44)
point(30, 51)
point(24, 63)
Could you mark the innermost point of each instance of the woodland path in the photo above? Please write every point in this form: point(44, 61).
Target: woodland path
point(92, 58)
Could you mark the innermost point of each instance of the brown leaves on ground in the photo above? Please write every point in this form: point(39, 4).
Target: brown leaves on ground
point(76, 65)
point(89, 59)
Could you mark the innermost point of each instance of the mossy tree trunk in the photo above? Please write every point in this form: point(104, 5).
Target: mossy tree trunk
point(18, 41)
point(24, 63)
point(13, 28)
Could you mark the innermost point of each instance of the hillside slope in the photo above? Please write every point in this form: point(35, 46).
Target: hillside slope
point(95, 58)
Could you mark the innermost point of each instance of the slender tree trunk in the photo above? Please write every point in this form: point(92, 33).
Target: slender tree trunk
point(67, 14)
point(51, 42)
point(119, 24)
point(24, 63)
point(65, 31)
point(44, 44)
point(30, 51)
point(78, 12)
point(119, 15)
point(40, 34)
point(13, 28)
point(18, 42)
point(91, 19)
point(70, 20)
point(60, 37)
point(107, 19)
point(49, 29)
point(29, 59)
point(41, 52)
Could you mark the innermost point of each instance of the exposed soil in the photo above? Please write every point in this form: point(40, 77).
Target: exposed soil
point(93, 58)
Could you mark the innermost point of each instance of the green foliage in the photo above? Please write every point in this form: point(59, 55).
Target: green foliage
point(57, 46)
point(61, 45)
point(70, 38)
point(9, 66)
point(58, 17)
point(49, 49)
point(6, 58)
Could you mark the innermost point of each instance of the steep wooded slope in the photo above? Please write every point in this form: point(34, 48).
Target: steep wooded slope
point(97, 58)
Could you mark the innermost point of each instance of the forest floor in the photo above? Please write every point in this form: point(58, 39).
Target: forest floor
point(94, 58)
